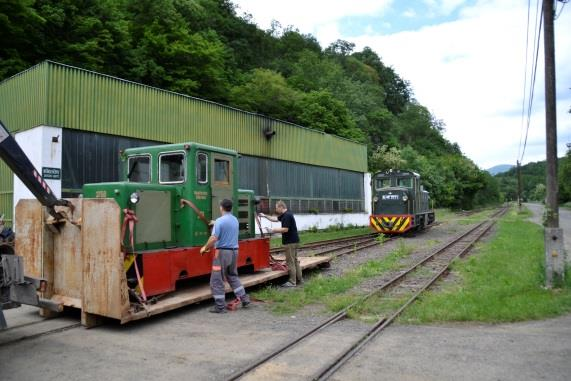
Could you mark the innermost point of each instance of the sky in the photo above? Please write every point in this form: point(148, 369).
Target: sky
point(465, 61)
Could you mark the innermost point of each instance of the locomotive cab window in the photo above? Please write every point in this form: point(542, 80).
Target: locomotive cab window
point(202, 168)
point(139, 169)
point(383, 183)
point(171, 168)
point(222, 171)
point(404, 182)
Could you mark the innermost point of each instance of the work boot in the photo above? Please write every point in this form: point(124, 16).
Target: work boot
point(245, 301)
point(217, 310)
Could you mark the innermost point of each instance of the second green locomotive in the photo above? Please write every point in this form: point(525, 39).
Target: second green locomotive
point(400, 202)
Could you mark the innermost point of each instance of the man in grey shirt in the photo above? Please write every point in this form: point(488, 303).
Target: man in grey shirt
point(224, 264)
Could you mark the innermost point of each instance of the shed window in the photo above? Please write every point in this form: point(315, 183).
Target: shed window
point(202, 168)
point(171, 168)
point(222, 171)
point(404, 182)
point(139, 169)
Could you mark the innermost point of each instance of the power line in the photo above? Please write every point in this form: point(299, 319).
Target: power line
point(563, 2)
point(534, 72)
point(524, 78)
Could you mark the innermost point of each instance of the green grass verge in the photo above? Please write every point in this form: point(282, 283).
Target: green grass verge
point(333, 291)
point(448, 216)
point(503, 282)
point(322, 235)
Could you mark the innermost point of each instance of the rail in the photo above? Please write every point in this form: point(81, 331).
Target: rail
point(449, 251)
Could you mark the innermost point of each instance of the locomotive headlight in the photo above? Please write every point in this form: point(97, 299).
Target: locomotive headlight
point(405, 198)
point(134, 198)
point(375, 199)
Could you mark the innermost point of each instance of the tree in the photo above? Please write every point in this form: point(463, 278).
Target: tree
point(565, 178)
point(320, 110)
point(20, 27)
point(539, 193)
point(385, 158)
point(90, 34)
point(340, 47)
point(169, 55)
point(311, 72)
point(266, 92)
point(397, 90)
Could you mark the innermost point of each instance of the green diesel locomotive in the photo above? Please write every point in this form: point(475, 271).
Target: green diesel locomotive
point(400, 202)
point(169, 196)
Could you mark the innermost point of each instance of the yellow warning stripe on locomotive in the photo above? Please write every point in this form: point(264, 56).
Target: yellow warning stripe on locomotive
point(390, 224)
point(129, 267)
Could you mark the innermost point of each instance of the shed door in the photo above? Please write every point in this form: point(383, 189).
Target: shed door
point(222, 178)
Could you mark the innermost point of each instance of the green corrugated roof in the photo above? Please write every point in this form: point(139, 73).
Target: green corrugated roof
point(64, 96)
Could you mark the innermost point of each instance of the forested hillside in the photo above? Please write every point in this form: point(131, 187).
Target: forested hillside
point(205, 49)
point(533, 181)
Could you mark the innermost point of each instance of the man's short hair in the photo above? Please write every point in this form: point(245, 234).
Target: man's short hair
point(226, 205)
point(281, 204)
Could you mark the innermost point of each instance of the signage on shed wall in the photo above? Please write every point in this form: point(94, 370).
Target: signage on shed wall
point(51, 173)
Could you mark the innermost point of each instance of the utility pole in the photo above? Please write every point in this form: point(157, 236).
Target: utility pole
point(518, 185)
point(554, 249)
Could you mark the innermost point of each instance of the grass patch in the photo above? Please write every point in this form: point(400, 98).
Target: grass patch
point(448, 216)
point(476, 217)
point(502, 283)
point(333, 291)
point(377, 306)
point(322, 235)
point(445, 215)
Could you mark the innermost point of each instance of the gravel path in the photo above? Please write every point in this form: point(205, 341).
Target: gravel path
point(189, 343)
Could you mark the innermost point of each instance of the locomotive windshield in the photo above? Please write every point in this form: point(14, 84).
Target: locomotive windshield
point(139, 169)
point(404, 182)
point(383, 183)
point(171, 168)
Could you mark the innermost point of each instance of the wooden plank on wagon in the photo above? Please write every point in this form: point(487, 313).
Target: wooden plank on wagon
point(104, 281)
point(195, 294)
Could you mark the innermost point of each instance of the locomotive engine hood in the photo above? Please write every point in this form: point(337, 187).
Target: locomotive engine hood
point(393, 200)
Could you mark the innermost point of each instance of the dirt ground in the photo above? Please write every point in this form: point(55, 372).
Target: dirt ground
point(187, 342)
point(192, 343)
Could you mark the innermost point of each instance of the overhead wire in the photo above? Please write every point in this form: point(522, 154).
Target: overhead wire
point(524, 79)
point(538, 26)
point(563, 2)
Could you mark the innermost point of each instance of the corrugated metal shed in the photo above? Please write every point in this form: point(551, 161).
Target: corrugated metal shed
point(63, 96)
point(6, 192)
point(58, 95)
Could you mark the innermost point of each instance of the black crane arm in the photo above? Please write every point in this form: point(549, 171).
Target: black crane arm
point(19, 163)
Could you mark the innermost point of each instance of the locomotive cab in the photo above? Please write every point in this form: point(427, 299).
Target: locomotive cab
point(399, 202)
point(172, 194)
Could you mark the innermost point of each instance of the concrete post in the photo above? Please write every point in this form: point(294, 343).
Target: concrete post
point(554, 258)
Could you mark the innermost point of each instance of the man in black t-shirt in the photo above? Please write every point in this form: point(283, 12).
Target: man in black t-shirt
point(290, 241)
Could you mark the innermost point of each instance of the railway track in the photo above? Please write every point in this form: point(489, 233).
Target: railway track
point(332, 244)
point(397, 293)
point(342, 246)
point(44, 327)
point(36, 329)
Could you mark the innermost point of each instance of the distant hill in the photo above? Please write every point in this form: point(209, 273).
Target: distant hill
point(499, 169)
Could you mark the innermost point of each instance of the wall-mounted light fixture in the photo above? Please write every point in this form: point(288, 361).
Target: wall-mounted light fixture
point(269, 133)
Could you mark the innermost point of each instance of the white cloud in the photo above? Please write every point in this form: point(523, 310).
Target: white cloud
point(469, 72)
point(409, 13)
point(308, 16)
